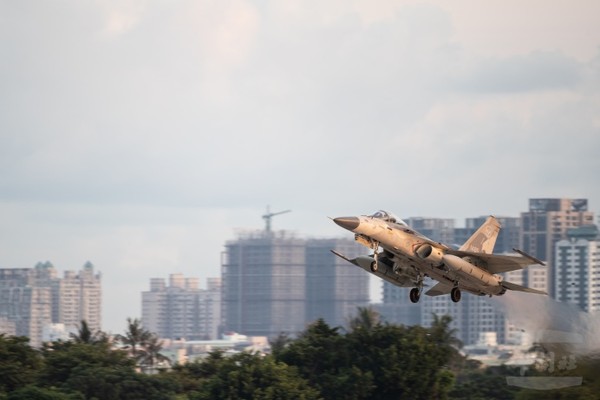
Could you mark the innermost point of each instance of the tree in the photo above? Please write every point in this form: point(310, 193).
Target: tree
point(323, 357)
point(367, 318)
point(441, 334)
point(483, 384)
point(279, 342)
point(63, 358)
point(404, 361)
point(101, 382)
point(252, 376)
point(19, 363)
point(373, 361)
point(135, 338)
point(36, 393)
point(151, 354)
point(98, 371)
point(85, 335)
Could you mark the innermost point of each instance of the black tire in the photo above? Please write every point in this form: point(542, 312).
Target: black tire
point(455, 294)
point(414, 295)
point(374, 266)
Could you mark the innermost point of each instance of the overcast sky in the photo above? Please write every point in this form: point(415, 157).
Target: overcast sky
point(140, 135)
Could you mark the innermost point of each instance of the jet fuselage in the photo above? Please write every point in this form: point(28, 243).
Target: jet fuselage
point(416, 255)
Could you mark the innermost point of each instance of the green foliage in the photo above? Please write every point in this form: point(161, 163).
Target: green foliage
point(19, 363)
point(142, 345)
point(36, 393)
point(367, 318)
point(151, 354)
point(373, 360)
point(117, 384)
point(405, 362)
point(191, 374)
point(370, 361)
point(135, 338)
point(249, 376)
point(483, 384)
point(63, 358)
point(98, 371)
point(325, 358)
point(85, 335)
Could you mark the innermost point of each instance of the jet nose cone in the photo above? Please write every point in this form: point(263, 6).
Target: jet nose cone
point(350, 223)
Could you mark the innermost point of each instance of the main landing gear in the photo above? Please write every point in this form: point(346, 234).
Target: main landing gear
point(455, 294)
point(415, 295)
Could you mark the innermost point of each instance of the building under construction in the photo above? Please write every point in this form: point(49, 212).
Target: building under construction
point(275, 282)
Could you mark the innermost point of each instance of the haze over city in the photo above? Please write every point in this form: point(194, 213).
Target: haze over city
point(141, 135)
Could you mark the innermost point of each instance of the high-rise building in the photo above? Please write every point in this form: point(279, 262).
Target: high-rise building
point(32, 298)
point(264, 284)
point(547, 222)
point(7, 326)
point(182, 310)
point(76, 297)
point(441, 228)
point(334, 287)
point(274, 282)
point(577, 268)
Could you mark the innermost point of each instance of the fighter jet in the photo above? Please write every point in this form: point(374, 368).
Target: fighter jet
point(407, 257)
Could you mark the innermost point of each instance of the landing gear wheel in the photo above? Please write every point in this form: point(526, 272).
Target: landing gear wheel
point(374, 266)
point(455, 294)
point(415, 295)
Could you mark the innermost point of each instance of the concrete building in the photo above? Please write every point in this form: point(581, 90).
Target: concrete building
point(7, 327)
point(53, 332)
point(577, 268)
point(274, 282)
point(182, 310)
point(76, 297)
point(334, 287)
point(547, 222)
point(442, 229)
point(34, 298)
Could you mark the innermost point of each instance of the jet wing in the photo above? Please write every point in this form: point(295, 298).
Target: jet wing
point(385, 270)
point(498, 263)
point(343, 257)
point(439, 289)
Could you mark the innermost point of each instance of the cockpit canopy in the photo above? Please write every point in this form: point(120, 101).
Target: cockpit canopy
point(388, 217)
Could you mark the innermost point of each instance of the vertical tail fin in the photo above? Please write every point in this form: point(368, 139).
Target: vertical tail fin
point(484, 239)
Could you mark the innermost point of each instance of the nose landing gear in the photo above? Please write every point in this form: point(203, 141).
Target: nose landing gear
point(375, 263)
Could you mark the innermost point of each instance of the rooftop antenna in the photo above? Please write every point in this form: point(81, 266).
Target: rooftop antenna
point(267, 217)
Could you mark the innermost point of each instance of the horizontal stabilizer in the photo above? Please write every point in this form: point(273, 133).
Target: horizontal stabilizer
point(514, 286)
point(529, 256)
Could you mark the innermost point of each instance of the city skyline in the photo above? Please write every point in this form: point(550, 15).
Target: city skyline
point(140, 135)
point(375, 286)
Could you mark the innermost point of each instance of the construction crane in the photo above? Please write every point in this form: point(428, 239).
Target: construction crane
point(267, 217)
